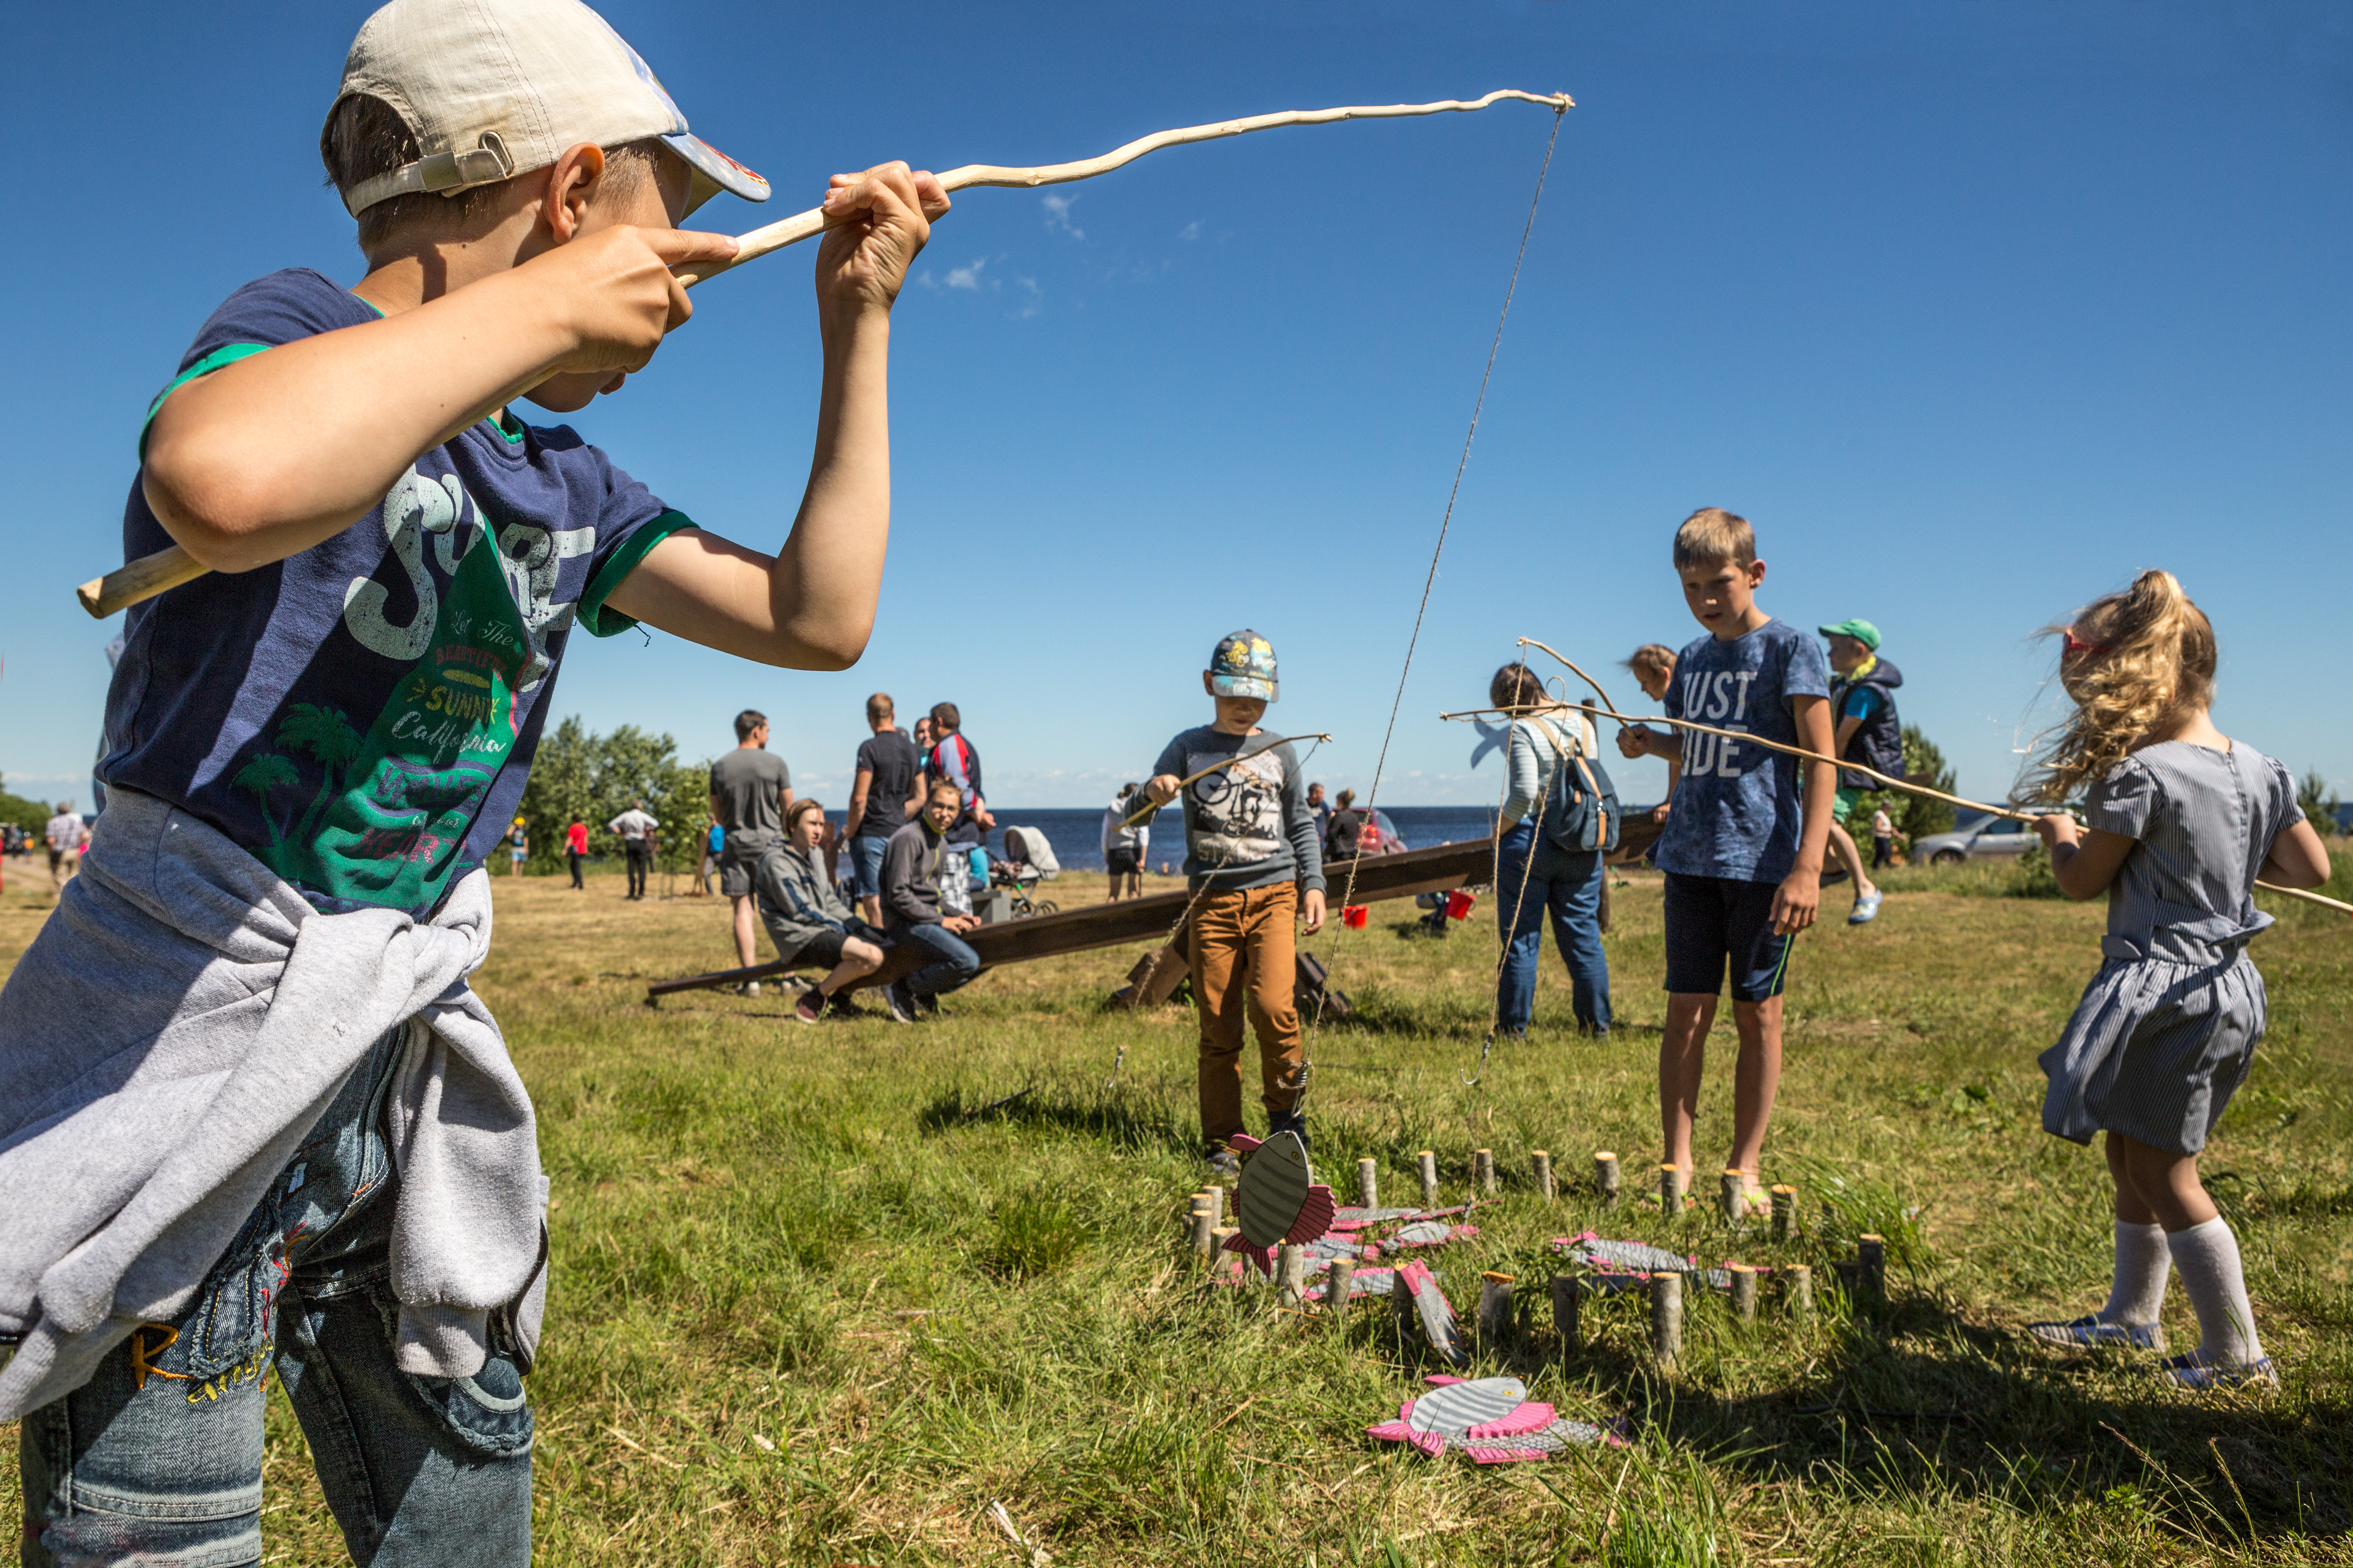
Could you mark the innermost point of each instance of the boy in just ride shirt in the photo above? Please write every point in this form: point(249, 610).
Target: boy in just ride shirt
point(244, 1085)
point(1743, 856)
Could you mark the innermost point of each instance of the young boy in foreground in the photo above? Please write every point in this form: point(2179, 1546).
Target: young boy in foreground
point(1743, 857)
point(245, 1089)
point(1254, 866)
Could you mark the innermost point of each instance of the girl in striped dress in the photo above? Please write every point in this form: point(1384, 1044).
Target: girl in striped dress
point(2181, 821)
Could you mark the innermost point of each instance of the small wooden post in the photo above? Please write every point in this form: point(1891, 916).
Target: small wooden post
point(1871, 1275)
point(1291, 1276)
point(1218, 1203)
point(1429, 1178)
point(1368, 1184)
point(1217, 1240)
point(1568, 1296)
point(1338, 1279)
point(1671, 1187)
point(1495, 1311)
point(1540, 1165)
point(1666, 1317)
point(1785, 1212)
point(1797, 1289)
point(1728, 1189)
point(1605, 1178)
point(1482, 1171)
point(1203, 1227)
point(1744, 1291)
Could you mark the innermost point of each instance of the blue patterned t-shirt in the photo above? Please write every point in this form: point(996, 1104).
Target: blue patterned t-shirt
point(362, 716)
point(1737, 806)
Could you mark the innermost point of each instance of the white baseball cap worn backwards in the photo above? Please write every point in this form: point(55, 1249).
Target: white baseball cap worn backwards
point(493, 89)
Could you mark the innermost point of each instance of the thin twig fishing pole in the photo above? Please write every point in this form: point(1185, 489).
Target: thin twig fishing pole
point(142, 579)
point(1152, 807)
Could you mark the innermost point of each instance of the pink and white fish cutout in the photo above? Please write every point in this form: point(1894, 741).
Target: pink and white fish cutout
point(1491, 1420)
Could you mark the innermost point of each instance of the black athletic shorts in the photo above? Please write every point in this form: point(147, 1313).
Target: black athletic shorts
point(1715, 921)
point(1122, 863)
point(825, 948)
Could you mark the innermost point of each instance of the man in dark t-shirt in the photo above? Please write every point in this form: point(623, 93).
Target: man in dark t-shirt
point(750, 788)
point(888, 793)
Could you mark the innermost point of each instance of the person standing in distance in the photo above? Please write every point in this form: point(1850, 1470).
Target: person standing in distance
point(1124, 848)
point(575, 851)
point(64, 834)
point(750, 788)
point(636, 828)
point(953, 760)
point(887, 796)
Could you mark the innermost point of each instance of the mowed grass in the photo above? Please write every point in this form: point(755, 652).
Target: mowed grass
point(824, 1295)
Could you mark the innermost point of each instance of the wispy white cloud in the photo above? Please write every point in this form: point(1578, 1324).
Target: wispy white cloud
point(967, 276)
point(1190, 231)
point(1058, 215)
point(1033, 298)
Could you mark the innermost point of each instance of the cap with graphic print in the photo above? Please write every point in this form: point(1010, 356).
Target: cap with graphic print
point(1862, 632)
point(496, 88)
point(1243, 666)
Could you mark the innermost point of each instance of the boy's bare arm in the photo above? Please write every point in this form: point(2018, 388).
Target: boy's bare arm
point(2297, 858)
point(234, 492)
point(1800, 896)
point(811, 605)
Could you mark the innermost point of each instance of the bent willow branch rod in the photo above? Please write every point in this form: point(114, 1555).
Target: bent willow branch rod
point(168, 568)
point(1906, 785)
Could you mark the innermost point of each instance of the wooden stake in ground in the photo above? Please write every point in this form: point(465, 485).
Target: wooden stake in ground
point(1796, 1282)
point(1291, 1276)
point(1429, 1163)
point(1605, 1178)
point(1568, 1295)
point(1744, 1291)
point(1785, 1212)
point(1339, 1279)
point(1202, 1227)
point(1495, 1311)
point(1216, 1196)
point(1871, 1269)
point(1368, 1184)
point(1666, 1317)
point(1482, 1171)
point(1672, 1184)
point(1729, 1187)
point(1540, 1167)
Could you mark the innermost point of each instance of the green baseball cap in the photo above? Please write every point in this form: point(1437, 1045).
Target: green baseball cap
point(1243, 666)
point(1862, 632)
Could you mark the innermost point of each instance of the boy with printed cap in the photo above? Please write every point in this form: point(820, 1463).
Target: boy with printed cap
point(1254, 866)
point(246, 1093)
point(1742, 848)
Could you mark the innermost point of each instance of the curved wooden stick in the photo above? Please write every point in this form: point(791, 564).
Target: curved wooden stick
point(1904, 785)
point(171, 567)
point(1580, 671)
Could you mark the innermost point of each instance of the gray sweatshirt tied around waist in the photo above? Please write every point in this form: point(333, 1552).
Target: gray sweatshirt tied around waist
point(178, 1025)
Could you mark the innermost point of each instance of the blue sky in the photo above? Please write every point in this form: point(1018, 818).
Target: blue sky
point(1974, 308)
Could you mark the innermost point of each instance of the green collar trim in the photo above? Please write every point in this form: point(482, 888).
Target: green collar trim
point(227, 354)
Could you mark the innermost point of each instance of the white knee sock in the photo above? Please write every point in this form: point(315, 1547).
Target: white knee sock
point(2137, 1294)
point(2208, 1257)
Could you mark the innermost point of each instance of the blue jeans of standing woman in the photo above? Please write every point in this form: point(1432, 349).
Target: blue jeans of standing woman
point(1568, 888)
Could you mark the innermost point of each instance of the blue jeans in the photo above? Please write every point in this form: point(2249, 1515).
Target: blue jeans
point(866, 865)
point(1569, 886)
point(158, 1457)
point(953, 962)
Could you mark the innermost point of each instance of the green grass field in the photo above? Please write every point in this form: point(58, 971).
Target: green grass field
point(816, 1303)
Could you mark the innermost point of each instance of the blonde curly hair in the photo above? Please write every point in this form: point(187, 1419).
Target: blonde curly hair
point(2137, 663)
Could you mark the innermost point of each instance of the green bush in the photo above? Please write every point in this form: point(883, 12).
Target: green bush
point(32, 816)
point(595, 777)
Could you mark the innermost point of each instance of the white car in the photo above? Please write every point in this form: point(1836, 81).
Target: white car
point(1995, 838)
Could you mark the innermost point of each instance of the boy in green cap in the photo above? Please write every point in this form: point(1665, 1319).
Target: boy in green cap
point(273, 1121)
point(1254, 866)
point(1864, 729)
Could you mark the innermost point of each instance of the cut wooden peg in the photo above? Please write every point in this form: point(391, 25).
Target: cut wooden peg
point(1494, 1310)
point(1785, 1212)
point(1540, 1167)
point(1339, 1277)
point(1291, 1276)
point(1871, 1268)
point(1673, 1182)
point(1482, 1171)
point(1666, 1317)
point(1368, 1184)
point(1796, 1282)
point(1429, 1163)
point(1216, 1196)
point(1568, 1296)
point(1728, 1190)
point(1606, 1178)
point(1202, 1227)
point(1744, 1291)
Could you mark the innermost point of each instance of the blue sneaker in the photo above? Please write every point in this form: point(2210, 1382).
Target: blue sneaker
point(2090, 1333)
point(901, 1002)
point(1866, 908)
point(2185, 1371)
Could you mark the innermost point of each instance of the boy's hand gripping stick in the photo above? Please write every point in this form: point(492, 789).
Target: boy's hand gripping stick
point(168, 568)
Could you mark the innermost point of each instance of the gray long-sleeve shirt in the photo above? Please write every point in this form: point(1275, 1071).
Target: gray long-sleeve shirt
point(798, 901)
point(1246, 826)
point(1530, 759)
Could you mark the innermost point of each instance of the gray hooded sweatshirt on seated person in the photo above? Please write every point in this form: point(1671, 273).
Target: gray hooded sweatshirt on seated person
point(177, 1028)
point(799, 902)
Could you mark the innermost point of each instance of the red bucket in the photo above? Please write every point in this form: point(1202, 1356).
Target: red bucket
point(1355, 916)
point(1459, 902)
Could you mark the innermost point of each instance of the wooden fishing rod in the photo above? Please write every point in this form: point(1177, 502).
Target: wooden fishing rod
point(1906, 785)
point(168, 568)
point(1152, 809)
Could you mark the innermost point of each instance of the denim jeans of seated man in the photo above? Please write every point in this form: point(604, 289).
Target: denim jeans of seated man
point(1567, 886)
point(158, 1458)
point(954, 960)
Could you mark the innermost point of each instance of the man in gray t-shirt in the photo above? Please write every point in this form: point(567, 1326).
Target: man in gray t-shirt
point(750, 787)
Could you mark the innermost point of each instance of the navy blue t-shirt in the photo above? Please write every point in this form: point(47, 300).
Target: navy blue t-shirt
point(362, 716)
point(1736, 807)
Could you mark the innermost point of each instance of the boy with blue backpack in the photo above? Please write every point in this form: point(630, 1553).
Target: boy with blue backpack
point(1559, 817)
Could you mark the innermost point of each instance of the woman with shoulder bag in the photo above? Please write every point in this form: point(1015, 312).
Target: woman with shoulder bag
point(1558, 797)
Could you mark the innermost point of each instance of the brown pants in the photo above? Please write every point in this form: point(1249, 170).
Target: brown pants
point(1243, 962)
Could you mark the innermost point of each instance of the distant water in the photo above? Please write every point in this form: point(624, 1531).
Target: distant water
point(1077, 834)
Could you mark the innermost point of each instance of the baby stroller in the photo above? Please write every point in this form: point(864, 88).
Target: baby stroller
point(1028, 860)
